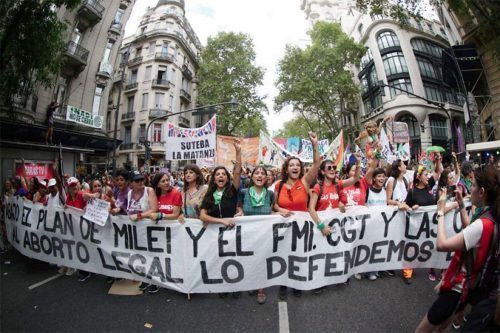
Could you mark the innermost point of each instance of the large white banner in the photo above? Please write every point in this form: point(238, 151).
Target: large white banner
point(191, 143)
point(259, 252)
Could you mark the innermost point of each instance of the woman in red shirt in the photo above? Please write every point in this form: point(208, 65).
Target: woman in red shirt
point(169, 199)
point(292, 192)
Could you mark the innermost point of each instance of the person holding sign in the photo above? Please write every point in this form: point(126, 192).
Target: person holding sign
point(219, 204)
point(193, 192)
point(141, 200)
point(292, 192)
point(120, 192)
point(471, 249)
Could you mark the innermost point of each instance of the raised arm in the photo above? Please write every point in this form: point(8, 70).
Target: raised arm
point(453, 243)
point(438, 167)
point(353, 180)
point(313, 171)
point(237, 166)
point(371, 168)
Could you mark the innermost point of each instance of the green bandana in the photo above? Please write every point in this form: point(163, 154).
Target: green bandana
point(479, 212)
point(257, 200)
point(468, 184)
point(218, 196)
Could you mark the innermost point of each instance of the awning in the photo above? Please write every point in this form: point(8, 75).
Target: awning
point(480, 146)
point(34, 134)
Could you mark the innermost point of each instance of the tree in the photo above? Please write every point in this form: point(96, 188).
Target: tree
point(227, 70)
point(31, 45)
point(485, 14)
point(316, 81)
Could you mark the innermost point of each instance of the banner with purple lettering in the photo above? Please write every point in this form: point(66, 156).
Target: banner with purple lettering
point(191, 143)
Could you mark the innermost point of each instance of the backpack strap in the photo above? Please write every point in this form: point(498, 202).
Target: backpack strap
point(280, 186)
point(320, 194)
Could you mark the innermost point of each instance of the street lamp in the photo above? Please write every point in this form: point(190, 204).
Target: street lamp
point(198, 111)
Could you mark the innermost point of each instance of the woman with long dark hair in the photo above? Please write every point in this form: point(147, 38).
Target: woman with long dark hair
point(193, 191)
point(292, 192)
point(470, 246)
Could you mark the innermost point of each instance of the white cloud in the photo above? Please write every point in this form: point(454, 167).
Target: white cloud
point(271, 24)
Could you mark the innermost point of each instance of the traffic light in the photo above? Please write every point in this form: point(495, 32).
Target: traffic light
point(422, 128)
point(147, 150)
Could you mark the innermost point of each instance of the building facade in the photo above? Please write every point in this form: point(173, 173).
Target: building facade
point(481, 71)
point(403, 73)
point(94, 35)
point(156, 79)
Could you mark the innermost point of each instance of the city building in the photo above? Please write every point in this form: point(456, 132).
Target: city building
point(94, 35)
point(401, 74)
point(157, 78)
point(475, 52)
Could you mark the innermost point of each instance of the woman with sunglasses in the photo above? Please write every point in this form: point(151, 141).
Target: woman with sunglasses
point(256, 200)
point(220, 202)
point(141, 200)
point(471, 247)
point(292, 192)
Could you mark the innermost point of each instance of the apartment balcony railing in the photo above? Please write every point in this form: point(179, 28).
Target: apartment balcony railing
point(135, 61)
point(129, 116)
point(127, 146)
point(131, 87)
point(116, 27)
point(77, 54)
point(153, 113)
point(90, 12)
point(160, 83)
point(185, 96)
point(105, 69)
point(183, 121)
point(187, 72)
point(160, 56)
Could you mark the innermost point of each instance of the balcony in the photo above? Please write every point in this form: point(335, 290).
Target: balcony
point(89, 13)
point(184, 122)
point(154, 113)
point(75, 59)
point(159, 83)
point(105, 70)
point(185, 96)
point(160, 56)
point(135, 61)
point(127, 146)
point(131, 87)
point(187, 72)
point(116, 28)
point(129, 116)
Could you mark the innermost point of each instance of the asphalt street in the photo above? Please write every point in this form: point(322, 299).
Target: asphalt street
point(66, 305)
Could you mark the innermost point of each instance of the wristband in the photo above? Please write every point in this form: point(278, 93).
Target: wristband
point(158, 216)
point(139, 216)
point(321, 226)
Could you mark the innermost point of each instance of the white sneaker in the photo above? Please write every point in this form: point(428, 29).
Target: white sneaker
point(372, 276)
point(62, 270)
point(70, 271)
point(358, 276)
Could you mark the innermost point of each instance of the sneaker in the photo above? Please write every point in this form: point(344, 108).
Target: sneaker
point(70, 271)
point(372, 276)
point(407, 280)
point(282, 294)
point(62, 270)
point(261, 298)
point(110, 280)
point(358, 276)
point(153, 289)
point(143, 286)
point(236, 294)
point(389, 273)
point(297, 293)
point(456, 326)
point(84, 276)
point(432, 277)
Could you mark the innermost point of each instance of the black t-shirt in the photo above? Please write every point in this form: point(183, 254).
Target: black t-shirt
point(421, 197)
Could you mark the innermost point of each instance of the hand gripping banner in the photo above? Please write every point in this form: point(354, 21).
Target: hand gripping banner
point(261, 251)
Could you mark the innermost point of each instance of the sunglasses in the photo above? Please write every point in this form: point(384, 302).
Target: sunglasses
point(330, 167)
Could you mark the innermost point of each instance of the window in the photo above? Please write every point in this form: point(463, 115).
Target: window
point(185, 84)
point(401, 84)
point(147, 73)
point(152, 47)
point(145, 100)
point(387, 39)
point(172, 75)
point(159, 98)
point(490, 129)
point(426, 47)
point(428, 69)
point(364, 84)
point(133, 76)
point(142, 132)
point(157, 133)
point(107, 51)
point(127, 135)
point(138, 52)
point(170, 102)
point(119, 15)
point(438, 126)
point(367, 105)
point(130, 104)
point(108, 120)
point(394, 63)
point(432, 92)
point(164, 48)
point(162, 73)
point(365, 60)
point(96, 105)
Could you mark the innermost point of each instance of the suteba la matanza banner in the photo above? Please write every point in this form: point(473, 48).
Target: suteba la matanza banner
point(260, 251)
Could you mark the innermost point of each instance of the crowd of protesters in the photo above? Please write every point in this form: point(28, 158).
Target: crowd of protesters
point(219, 196)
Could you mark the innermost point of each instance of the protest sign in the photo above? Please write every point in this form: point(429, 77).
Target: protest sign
point(40, 170)
point(335, 151)
point(82, 117)
point(260, 251)
point(270, 153)
point(226, 152)
point(97, 211)
point(398, 132)
point(191, 143)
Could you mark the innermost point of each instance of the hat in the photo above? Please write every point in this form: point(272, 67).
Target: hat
point(136, 175)
point(72, 181)
point(52, 182)
point(43, 183)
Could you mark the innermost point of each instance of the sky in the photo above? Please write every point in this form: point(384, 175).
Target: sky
point(272, 24)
